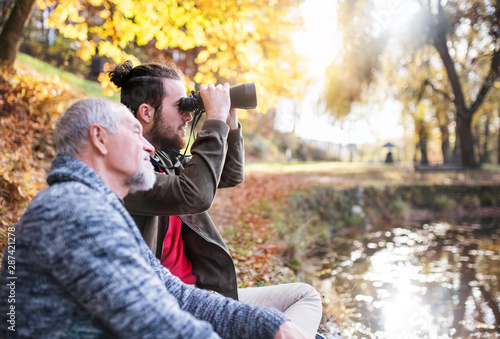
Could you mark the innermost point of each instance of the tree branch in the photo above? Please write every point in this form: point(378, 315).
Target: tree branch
point(437, 90)
point(488, 81)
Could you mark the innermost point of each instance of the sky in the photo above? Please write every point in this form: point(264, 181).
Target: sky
point(321, 42)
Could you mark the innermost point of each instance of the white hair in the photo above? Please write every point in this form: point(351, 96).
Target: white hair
point(72, 129)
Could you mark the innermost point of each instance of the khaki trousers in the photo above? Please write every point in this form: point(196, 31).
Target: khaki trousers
point(299, 301)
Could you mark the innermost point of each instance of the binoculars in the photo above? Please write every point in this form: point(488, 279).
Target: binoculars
point(242, 96)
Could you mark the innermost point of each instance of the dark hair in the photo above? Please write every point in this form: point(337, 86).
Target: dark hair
point(143, 83)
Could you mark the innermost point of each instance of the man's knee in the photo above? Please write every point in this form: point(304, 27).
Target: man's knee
point(309, 292)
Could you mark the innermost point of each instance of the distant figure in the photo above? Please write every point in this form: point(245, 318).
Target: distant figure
point(388, 158)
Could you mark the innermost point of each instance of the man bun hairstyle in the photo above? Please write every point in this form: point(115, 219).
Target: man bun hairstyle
point(143, 84)
point(121, 74)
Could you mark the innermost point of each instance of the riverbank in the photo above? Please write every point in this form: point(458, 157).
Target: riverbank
point(271, 222)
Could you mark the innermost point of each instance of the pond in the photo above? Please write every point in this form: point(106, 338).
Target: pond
point(435, 281)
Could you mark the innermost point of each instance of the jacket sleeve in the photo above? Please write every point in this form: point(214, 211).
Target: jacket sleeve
point(194, 189)
point(233, 172)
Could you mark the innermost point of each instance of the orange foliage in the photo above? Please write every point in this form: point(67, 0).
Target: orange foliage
point(29, 105)
point(248, 230)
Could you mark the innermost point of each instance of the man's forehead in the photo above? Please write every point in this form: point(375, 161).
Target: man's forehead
point(174, 85)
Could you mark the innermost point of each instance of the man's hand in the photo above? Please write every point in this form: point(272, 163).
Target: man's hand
point(232, 119)
point(289, 330)
point(216, 101)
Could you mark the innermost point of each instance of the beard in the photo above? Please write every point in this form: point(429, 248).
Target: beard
point(165, 136)
point(143, 179)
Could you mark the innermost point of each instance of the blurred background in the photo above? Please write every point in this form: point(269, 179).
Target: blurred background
point(372, 158)
point(336, 80)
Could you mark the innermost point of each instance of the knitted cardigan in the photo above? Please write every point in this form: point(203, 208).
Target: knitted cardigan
point(77, 267)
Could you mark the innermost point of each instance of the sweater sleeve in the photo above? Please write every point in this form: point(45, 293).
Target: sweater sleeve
point(229, 318)
point(95, 257)
point(98, 257)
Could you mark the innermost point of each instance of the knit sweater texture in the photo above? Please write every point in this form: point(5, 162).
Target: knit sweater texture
point(79, 268)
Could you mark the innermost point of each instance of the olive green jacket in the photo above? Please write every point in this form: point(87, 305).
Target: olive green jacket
point(187, 189)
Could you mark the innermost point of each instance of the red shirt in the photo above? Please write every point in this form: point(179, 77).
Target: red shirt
point(173, 256)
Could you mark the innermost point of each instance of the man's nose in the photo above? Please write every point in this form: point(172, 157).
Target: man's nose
point(148, 147)
point(187, 116)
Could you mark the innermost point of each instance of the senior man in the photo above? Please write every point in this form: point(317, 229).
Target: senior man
point(78, 267)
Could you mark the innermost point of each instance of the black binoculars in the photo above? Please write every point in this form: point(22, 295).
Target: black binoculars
point(242, 96)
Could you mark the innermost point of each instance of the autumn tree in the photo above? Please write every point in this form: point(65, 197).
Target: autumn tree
point(212, 40)
point(463, 33)
point(481, 21)
point(12, 32)
point(348, 77)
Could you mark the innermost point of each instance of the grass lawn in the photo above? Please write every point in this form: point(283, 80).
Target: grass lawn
point(87, 87)
point(352, 174)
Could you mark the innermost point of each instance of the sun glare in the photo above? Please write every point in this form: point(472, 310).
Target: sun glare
point(392, 16)
point(321, 40)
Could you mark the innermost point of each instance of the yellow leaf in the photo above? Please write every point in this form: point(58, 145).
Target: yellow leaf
point(104, 14)
point(87, 50)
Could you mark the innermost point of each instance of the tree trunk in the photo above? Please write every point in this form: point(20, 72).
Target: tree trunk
point(445, 145)
point(467, 155)
point(463, 115)
point(444, 121)
point(456, 147)
point(12, 32)
point(422, 139)
point(498, 147)
point(485, 153)
point(477, 140)
point(5, 7)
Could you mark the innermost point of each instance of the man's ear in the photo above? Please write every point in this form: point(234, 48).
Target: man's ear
point(99, 138)
point(145, 113)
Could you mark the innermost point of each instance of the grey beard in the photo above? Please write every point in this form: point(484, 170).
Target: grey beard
point(143, 179)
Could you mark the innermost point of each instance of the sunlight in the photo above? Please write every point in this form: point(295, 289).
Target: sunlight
point(398, 313)
point(392, 16)
point(321, 40)
point(321, 43)
point(404, 312)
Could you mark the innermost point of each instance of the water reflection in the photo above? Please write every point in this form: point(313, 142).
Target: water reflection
point(440, 281)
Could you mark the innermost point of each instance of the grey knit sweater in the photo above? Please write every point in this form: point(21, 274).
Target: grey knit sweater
point(77, 267)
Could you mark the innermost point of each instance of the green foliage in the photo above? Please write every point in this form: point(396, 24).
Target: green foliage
point(78, 83)
point(443, 202)
point(400, 208)
point(470, 202)
point(312, 216)
point(262, 148)
point(487, 199)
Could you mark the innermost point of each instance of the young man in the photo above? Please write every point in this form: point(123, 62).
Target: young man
point(172, 216)
point(78, 267)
